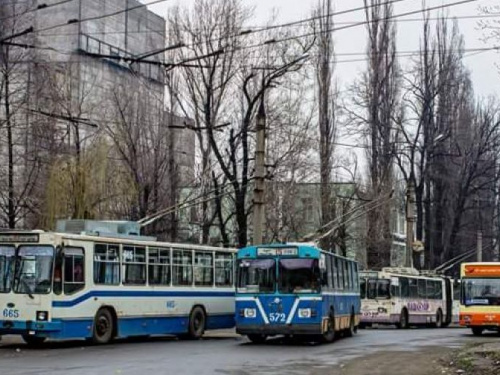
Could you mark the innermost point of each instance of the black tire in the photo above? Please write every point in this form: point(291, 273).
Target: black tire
point(329, 335)
point(403, 320)
point(477, 331)
point(104, 327)
point(197, 321)
point(257, 339)
point(352, 329)
point(439, 319)
point(34, 340)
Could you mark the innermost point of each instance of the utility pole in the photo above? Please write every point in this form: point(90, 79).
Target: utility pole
point(479, 245)
point(410, 220)
point(260, 176)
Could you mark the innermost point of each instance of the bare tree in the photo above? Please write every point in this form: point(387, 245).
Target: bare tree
point(141, 137)
point(327, 109)
point(19, 151)
point(211, 28)
point(379, 96)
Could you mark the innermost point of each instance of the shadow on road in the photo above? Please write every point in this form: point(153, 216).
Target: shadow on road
point(72, 344)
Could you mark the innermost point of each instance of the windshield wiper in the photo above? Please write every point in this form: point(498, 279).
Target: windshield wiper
point(28, 290)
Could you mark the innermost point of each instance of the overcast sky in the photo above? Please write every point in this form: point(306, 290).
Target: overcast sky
point(485, 75)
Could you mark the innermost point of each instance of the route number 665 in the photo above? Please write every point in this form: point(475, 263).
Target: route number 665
point(11, 313)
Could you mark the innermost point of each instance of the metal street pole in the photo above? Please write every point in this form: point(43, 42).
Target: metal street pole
point(479, 246)
point(260, 176)
point(410, 220)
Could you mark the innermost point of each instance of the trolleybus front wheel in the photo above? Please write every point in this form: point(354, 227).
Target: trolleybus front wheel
point(34, 340)
point(403, 320)
point(329, 335)
point(477, 331)
point(103, 330)
point(257, 339)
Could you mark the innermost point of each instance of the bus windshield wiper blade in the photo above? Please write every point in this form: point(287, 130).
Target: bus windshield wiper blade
point(28, 290)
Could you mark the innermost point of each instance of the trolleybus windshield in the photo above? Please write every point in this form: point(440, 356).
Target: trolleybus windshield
point(481, 291)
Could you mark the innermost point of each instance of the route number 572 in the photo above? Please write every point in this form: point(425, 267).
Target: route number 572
point(277, 317)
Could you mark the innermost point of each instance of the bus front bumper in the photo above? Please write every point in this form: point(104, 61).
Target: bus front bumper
point(15, 327)
point(287, 329)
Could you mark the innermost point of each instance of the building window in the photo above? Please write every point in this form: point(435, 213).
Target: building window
point(159, 266)
point(203, 269)
point(182, 267)
point(224, 265)
point(107, 264)
point(134, 265)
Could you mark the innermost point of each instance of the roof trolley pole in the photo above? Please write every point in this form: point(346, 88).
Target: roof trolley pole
point(410, 220)
point(260, 176)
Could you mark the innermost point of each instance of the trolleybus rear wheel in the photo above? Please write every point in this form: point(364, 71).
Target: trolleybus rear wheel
point(352, 329)
point(34, 340)
point(197, 321)
point(103, 330)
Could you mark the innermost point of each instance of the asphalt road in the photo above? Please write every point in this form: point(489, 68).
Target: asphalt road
point(220, 352)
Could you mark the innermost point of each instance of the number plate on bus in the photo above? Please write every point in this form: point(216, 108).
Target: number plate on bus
point(277, 317)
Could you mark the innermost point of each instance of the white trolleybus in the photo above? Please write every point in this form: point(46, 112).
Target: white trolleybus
point(102, 286)
point(404, 297)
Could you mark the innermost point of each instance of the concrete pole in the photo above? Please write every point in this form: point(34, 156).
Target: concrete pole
point(260, 176)
point(479, 246)
point(410, 221)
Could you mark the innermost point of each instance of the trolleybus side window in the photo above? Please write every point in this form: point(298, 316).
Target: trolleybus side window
point(413, 288)
point(340, 265)
point(107, 264)
point(74, 270)
point(405, 287)
point(422, 289)
point(182, 267)
point(224, 266)
point(159, 266)
point(353, 276)
point(134, 265)
point(395, 287)
point(439, 290)
point(335, 272)
point(203, 268)
point(326, 273)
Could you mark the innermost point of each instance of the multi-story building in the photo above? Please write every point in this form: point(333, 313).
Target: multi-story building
point(83, 79)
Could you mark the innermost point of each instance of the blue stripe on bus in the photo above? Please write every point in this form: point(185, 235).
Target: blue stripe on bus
point(120, 294)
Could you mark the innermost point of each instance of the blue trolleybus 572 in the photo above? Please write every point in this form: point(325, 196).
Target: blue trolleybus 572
point(296, 290)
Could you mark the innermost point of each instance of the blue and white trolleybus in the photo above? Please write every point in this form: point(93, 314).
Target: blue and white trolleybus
point(99, 287)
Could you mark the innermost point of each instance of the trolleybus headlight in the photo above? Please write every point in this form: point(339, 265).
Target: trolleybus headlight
point(382, 310)
point(42, 316)
point(466, 318)
point(250, 313)
point(304, 313)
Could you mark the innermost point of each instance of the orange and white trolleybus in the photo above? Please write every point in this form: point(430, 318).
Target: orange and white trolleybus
point(480, 302)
